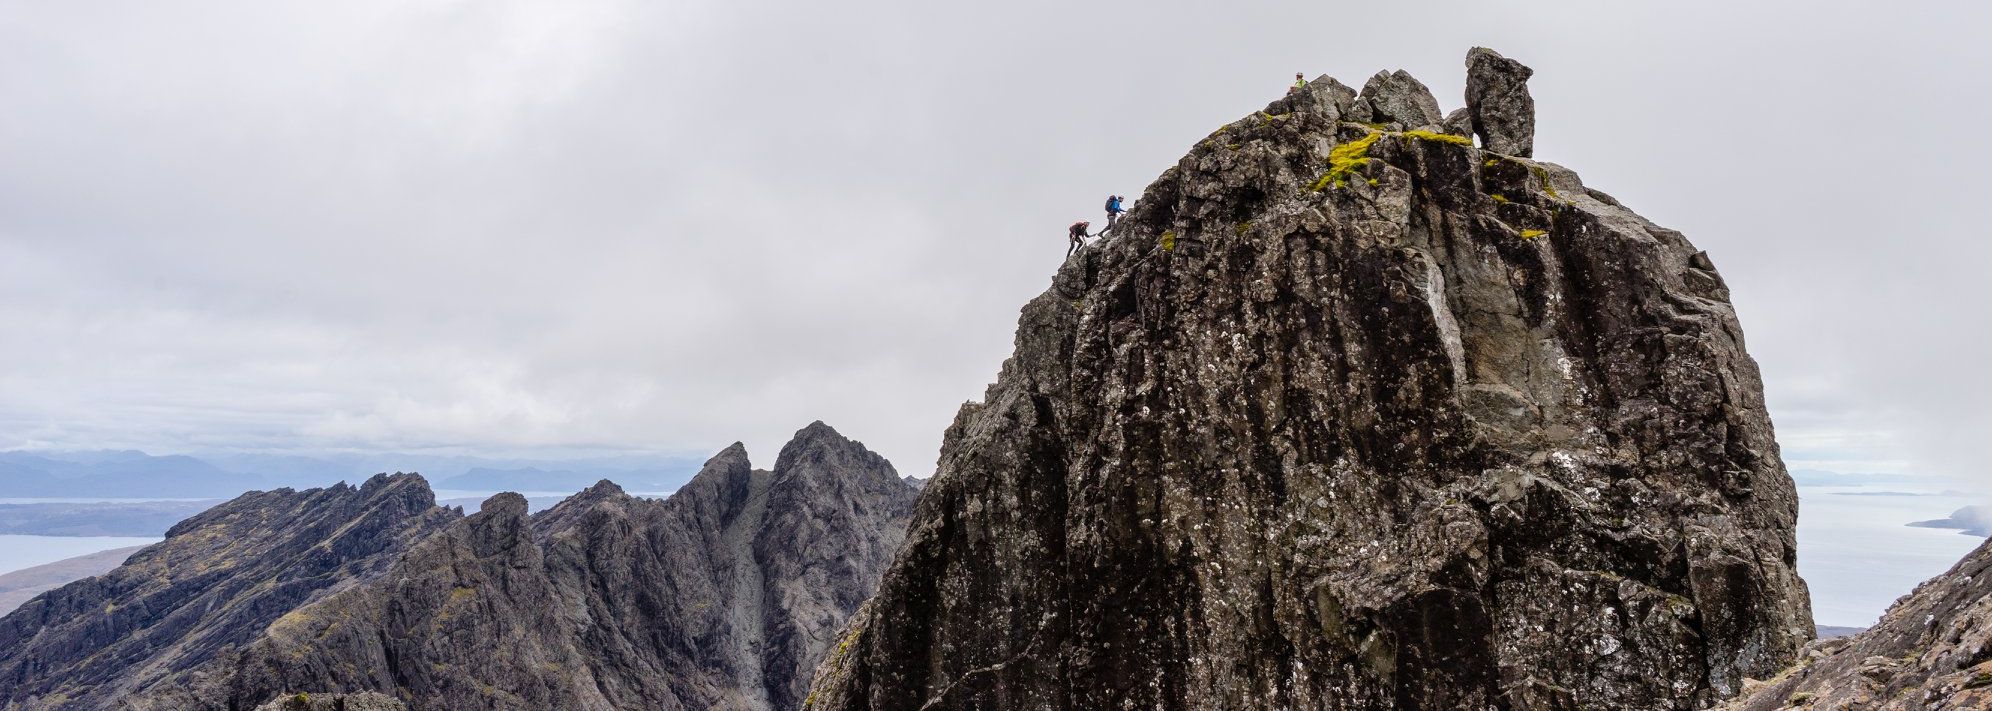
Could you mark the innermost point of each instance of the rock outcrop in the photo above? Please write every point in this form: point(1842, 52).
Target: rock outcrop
point(1348, 417)
point(1498, 103)
point(1932, 650)
point(1397, 101)
point(725, 596)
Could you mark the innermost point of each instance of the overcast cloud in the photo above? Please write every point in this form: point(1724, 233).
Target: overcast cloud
point(511, 226)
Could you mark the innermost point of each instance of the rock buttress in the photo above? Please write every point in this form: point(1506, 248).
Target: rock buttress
point(1346, 416)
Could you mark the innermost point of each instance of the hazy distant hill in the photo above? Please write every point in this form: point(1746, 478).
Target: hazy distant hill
point(117, 474)
point(137, 475)
point(141, 518)
point(536, 479)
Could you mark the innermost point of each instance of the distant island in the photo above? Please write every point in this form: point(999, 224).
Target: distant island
point(1970, 521)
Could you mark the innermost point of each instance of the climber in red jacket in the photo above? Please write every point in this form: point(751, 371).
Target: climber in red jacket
point(1077, 235)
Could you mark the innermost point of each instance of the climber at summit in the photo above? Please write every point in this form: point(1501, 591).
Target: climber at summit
point(1077, 235)
point(1299, 82)
point(1114, 211)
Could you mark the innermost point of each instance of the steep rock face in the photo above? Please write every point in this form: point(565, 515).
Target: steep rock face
point(217, 579)
point(1932, 650)
point(1351, 418)
point(722, 597)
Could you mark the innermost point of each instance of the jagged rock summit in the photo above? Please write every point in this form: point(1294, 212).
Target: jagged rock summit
point(1353, 414)
point(1932, 650)
point(724, 595)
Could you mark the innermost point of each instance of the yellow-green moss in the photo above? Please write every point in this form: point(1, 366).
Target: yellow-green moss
point(1345, 159)
point(1372, 181)
point(1169, 241)
point(1498, 197)
point(1491, 162)
point(1244, 227)
point(1543, 174)
point(1274, 117)
point(1424, 135)
point(1532, 234)
point(1234, 146)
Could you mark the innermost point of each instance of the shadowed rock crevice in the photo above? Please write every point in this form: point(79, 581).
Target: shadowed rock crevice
point(1350, 413)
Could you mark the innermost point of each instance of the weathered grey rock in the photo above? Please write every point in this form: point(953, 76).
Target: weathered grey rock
point(725, 595)
point(1397, 100)
point(1351, 434)
point(1932, 650)
point(1324, 97)
point(365, 701)
point(1497, 99)
point(1458, 123)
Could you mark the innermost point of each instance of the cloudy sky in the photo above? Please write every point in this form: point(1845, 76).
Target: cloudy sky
point(538, 227)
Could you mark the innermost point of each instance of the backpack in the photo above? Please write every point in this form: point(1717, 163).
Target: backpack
point(1112, 204)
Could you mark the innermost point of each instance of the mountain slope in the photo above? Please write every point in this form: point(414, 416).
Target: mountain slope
point(217, 579)
point(723, 596)
point(1932, 650)
point(1349, 413)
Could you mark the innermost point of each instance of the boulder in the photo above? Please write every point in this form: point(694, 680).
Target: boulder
point(1498, 102)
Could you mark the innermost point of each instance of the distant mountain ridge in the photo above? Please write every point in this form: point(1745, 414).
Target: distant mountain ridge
point(724, 595)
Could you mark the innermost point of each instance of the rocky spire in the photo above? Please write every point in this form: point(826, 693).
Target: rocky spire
point(1352, 418)
point(1498, 102)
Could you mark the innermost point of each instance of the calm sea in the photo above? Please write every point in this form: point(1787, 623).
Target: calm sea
point(1857, 555)
point(17, 552)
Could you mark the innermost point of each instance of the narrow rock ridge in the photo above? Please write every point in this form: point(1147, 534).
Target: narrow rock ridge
point(217, 579)
point(724, 596)
point(1353, 414)
point(1932, 650)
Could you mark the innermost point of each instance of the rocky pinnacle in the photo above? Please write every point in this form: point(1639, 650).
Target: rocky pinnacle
point(1353, 414)
point(1498, 103)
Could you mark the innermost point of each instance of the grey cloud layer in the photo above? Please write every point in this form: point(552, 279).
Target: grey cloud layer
point(672, 225)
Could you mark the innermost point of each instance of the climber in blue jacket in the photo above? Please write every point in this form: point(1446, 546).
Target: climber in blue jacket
point(1114, 211)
